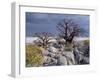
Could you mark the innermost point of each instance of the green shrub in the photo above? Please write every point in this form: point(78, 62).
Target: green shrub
point(34, 56)
point(69, 47)
point(86, 42)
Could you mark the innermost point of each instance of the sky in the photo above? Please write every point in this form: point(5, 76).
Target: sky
point(47, 22)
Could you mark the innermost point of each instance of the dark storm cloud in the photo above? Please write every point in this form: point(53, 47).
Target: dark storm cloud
point(47, 22)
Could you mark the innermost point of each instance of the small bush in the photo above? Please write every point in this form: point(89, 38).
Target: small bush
point(86, 42)
point(69, 47)
point(34, 56)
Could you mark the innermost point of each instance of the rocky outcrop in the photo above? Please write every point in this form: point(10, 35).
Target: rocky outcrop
point(60, 58)
point(73, 57)
point(81, 57)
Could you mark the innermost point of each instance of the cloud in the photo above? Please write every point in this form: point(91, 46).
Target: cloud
point(37, 22)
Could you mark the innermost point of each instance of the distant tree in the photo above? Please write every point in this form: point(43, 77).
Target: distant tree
point(44, 38)
point(68, 30)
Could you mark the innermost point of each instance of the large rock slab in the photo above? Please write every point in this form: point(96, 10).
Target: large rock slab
point(61, 60)
point(70, 57)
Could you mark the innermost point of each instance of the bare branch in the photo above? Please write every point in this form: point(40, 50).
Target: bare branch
point(68, 29)
point(44, 37)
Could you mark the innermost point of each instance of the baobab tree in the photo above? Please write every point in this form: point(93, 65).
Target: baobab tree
point(68, 30)
point(44, 38)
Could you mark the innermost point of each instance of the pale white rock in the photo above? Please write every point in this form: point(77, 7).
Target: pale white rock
point(62, 60)
point(52, 49)
point(70, 57)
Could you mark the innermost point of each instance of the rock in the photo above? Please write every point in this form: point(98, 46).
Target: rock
point(53, 61)
point(45, 52)
point(85, 60)
point(77, 56)
point(56, 56)
point(52, 49)
point(61, 60)
point(80, 58)
point(70, 57)
point(49, 61)
point(50, 54)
